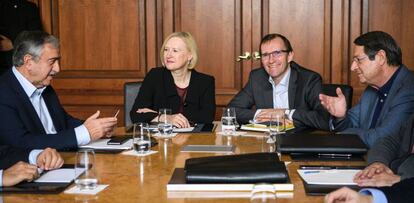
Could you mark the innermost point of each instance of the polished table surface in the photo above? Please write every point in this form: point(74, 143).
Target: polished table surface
point(144, 179)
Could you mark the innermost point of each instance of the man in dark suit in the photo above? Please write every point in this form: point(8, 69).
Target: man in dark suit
point(387, 101)
point(17, 165)
point(281, 87)
point(400, 192)
point(32, 116)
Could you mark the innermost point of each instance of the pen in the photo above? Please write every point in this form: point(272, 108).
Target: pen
point(330, 167)
point(317, 167)
point(335, 155)
point(116, 114)
point(308, 172)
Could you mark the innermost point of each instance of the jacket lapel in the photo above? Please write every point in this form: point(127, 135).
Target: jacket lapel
point(396, 86)
point(170, 91)
point(267, 97)
point(29, 111)
point(292, 86)
point(51, 105)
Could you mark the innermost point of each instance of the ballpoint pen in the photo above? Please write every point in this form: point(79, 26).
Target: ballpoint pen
point(116, 114)
point(308, 172)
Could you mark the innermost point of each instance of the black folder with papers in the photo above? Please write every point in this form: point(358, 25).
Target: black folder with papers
point(322, 187)
point(321, 146)
point(244, 168)
point(39, 187)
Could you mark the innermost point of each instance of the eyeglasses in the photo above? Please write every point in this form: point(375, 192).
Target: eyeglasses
point(359, 59)
point(275, 54)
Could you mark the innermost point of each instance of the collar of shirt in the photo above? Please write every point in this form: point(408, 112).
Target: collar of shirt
point(283, 84)
point(385, 89)
point(28, 87)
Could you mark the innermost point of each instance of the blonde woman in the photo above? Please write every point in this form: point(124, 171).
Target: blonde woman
point(177, 86)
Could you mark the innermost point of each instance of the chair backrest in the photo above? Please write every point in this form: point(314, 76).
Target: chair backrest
point(131, 90)
point(330, 89)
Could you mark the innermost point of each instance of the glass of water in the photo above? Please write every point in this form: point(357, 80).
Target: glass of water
point(228, 121)
point(276, 124)
point(165, 126)
point(85, 173)
point(141, 138)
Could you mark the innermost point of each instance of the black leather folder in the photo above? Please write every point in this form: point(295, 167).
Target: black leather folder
point(323, 145)
point(244, 168)
point(319, 190)
point(38, 188)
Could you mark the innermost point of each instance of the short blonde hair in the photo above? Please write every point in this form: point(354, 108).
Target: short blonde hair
point(190, 44)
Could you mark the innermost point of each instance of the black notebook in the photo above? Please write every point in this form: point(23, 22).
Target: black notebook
point(244, 168)
point(335, 146)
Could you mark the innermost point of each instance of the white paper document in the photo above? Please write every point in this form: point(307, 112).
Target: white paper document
point(329, 176)
point(102, 144)
point(63, 175)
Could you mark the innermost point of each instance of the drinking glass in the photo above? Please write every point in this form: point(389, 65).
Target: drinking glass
point(165, 127)
point(228, 121)
point(263, 193)
point(276, 124)
point(141, 138)
point(85, 173)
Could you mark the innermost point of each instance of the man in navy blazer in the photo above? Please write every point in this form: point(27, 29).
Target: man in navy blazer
point(281, 87)
point(388, 99)
point(31, 114)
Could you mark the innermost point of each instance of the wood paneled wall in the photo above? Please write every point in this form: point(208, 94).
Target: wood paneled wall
point(105, 43)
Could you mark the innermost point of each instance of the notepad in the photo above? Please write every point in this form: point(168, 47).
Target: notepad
point(209, 148)
point(329, 176)
point(63, 175)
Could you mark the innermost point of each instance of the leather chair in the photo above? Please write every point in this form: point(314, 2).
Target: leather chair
point(131, 90)
point(330, 89)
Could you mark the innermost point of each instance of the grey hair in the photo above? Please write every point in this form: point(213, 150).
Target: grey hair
point(32, 43)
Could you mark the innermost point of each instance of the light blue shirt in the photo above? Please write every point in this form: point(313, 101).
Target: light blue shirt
point(377, 195)
point(32, 160)
point(82, 134)
point(280, 94)
point(280, 91)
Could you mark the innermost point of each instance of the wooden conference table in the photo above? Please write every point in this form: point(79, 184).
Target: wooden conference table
point(144, 179)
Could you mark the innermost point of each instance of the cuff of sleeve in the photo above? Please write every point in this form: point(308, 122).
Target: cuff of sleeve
point(255, 114)
point(289, 113)
point(82, 135)
point(332, 123)
point(33, 156)
point(377, 195)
